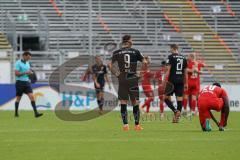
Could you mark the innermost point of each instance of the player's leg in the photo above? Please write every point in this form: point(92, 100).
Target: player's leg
point(168, 101)
point(179, 90)
point(124, 114)
point(18, 98)
point(19, 92)
point(204, 113)
point(150, 98)
point(33, 103)
point(149, 94)
point(169, 89)
point(179, 102)
point(224, 114)
point(134, 96)
point(185, 102)
point(29, 92)
point(193, 104)
point(123, 97)
point(100, 100)
point(161, 105)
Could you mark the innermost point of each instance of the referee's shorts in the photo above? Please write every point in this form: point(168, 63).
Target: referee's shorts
point(23, 87)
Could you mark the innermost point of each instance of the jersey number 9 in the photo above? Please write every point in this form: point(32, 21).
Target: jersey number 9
point(127, 61)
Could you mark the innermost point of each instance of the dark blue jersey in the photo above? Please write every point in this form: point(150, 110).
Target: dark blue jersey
point(99, 72)
point(127, 59)
point(178, 65)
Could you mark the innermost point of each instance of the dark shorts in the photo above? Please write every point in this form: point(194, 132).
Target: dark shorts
point(128, 88)
point(99, 90)
point(177, 88)
point(23, 87)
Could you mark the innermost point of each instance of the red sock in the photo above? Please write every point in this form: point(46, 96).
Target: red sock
point(148, 104)
point(184, 104)
point(161, 107)
point(193, 105)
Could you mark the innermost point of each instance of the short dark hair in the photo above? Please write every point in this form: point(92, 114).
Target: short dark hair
point(174, 46)
point(163, 63)
point(27, 53)
point(217, 84)
point(126, 38)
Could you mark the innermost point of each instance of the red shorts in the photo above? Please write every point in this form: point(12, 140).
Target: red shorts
point(160, 91)
point(207, 103)
point(148, 91)
point(192, 88)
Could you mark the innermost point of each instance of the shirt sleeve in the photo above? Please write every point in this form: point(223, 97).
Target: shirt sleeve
point(139, 56)
point(17, 66)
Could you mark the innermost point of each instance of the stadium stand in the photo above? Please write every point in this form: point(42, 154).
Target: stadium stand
point(63, 27)
point(216, 52)
point(4, 44)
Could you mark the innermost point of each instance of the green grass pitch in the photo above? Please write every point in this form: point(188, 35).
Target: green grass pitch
point(49, 138)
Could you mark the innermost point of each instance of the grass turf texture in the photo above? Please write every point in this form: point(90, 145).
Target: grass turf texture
point(102, 139)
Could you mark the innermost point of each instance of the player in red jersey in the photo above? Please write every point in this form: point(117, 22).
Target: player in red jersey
point(159, 76)
point(147, 75)
point(201, 65)
point(193, 89)
point(213, 97)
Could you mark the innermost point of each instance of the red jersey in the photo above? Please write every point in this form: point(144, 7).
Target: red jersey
point(147, 76)
point(200, 66)
point(159, 76)
point(193, 75)
point(213, 91)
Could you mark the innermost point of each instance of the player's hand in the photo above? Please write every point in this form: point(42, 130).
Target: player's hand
point(97, 85)
point(29, 72)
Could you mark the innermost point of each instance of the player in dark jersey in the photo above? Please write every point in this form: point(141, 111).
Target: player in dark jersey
point(127, 58)
point(177, 77)
point(99, 71)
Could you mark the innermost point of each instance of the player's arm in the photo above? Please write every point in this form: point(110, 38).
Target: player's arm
point(18, 73)
point(95, 81)
point(202, 65)
point(112, 65)
point(225, 110)
point(185, 79)
point(167, 73)
point(185, 75)
point(106, 77)
point(214, 119)
point(87, 72)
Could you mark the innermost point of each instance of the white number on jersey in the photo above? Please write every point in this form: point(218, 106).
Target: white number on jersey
point(209, 88)
point(127, 61)
point(179, 64)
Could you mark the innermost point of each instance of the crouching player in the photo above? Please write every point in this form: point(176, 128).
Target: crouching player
point(213, 97)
